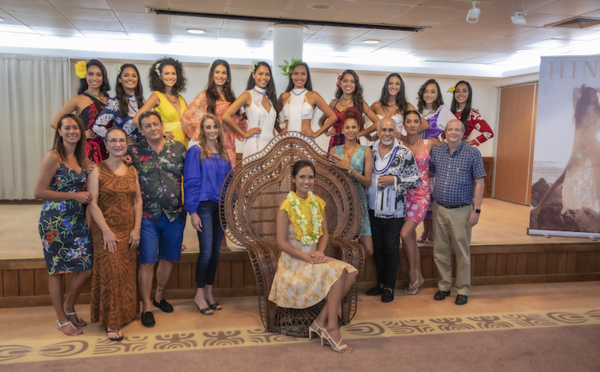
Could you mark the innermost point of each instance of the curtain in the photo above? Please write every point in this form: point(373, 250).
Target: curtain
point(33, 90)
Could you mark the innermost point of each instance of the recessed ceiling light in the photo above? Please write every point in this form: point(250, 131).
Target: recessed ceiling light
point(1, 19)
point(319, 6)
point(195, 31)
point(371, 41)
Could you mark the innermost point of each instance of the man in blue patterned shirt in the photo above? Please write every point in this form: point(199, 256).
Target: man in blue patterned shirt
point(159, 164)
point(458, 193)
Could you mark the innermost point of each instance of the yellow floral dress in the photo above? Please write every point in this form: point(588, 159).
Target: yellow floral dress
point(299, 284)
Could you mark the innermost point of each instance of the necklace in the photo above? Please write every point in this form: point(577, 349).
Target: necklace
point(345, 99)
point(169, 98)
point(301, 218)
point(94, 95)
point(260, 90)
point(349, 154)
point(299, 93)
point(389, 162)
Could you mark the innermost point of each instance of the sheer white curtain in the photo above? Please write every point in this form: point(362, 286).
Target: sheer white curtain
point(33, 90)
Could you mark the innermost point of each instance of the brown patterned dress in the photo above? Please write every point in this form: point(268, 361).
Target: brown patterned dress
point(114, 287)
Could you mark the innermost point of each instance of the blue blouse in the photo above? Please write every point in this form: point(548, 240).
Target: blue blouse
point(111, 113)
point(203, 179)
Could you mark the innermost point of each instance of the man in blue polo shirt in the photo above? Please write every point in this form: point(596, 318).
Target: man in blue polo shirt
point(458, 193)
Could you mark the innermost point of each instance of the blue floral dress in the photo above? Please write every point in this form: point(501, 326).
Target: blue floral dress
point(63, 227)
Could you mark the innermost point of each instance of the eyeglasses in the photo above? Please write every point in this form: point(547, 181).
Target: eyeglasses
point(117, 140)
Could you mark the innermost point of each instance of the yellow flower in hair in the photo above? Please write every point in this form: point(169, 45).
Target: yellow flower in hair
point(81, 69)
point(451, 89)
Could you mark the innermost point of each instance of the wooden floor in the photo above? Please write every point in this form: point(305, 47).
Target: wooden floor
point(501, 223)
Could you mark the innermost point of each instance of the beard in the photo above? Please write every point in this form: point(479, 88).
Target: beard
point(387, 142)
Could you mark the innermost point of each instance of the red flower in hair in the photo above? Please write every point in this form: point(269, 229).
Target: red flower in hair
point(339, 81)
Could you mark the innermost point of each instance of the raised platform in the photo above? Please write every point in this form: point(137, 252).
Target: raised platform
point(501, 253)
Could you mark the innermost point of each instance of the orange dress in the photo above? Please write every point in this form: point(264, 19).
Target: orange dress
point(191, 118)
point(114, 287)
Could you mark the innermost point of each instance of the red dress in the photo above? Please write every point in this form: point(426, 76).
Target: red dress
point(95, 149)
point(338, 138)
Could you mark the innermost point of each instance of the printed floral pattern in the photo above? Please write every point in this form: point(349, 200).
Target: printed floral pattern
point(63, 227)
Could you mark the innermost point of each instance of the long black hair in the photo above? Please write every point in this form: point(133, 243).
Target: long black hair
point(270, 90)
point(104, 88)
point(438, 101)
point(400, 101)
point(307, 86)
point(464, 116)
point(212, 93)
point(357, 95)
point(122, 96)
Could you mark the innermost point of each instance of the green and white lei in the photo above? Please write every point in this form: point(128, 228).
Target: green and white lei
point(301, 218)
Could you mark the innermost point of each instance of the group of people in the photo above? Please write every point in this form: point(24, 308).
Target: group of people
point(128, 160)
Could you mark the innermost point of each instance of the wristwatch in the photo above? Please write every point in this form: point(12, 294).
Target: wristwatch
point(478, 211)
point(350, 171)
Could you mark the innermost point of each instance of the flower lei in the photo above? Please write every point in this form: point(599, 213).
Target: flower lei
point(339, 80)
point(301, 218)
point(81, 69)
point(451, 89)
point(254, 65)
point(287, 69)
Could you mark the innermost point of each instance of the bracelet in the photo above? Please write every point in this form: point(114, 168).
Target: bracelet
point(350, 171)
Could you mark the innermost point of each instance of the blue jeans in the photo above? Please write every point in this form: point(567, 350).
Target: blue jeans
point(210, 243)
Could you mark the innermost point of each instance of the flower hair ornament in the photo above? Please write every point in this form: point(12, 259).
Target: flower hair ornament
point(157, 68)
point(451, 89)
point(81, 69)
point(339, 80)
point(117, 68)
point(287, 69)
point(254, 65)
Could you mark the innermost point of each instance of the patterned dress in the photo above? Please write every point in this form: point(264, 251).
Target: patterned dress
point(95, 149)
point(191, 118)
point(114, 286)
point(358, 164)
point(63, 228)
point(417, 200)
point(338, 138)
point(298, 284)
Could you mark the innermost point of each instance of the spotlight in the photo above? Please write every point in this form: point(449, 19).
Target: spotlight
point(473, 15)
point(518, 18)
point(195, 31)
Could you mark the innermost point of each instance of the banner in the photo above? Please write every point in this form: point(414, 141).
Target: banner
point(565, 195)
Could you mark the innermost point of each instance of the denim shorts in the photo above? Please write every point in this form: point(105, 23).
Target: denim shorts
point(161, 239)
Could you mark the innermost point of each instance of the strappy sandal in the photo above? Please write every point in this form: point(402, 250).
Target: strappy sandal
point(76, 319)
point(215, 306)
point(116, 331)
point(60, 328)
point(314, 328)
point(335, 345)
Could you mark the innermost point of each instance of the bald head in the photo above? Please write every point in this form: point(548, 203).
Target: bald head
point(386, 131)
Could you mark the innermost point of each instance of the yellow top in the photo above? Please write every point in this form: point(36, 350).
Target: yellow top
point(170, 117)
point(305, 210)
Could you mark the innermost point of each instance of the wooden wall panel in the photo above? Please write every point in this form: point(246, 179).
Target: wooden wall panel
point(514, 138)
point(41, 282)
point(10, 282)
point(26, 282)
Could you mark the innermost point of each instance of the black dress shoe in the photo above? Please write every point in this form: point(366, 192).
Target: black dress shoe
point(163, 305)
point(375, 291)
point(440, 295)
point(148, 319)
point(461, 299)
point(388, 295)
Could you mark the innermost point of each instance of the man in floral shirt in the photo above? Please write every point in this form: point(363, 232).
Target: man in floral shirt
point(159, 164)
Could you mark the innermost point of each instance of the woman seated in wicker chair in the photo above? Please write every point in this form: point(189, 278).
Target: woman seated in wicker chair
point(305, 276)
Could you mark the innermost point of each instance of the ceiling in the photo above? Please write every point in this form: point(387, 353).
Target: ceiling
point(448, 44)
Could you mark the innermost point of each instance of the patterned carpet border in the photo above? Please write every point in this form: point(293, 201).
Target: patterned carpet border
point(92, 346)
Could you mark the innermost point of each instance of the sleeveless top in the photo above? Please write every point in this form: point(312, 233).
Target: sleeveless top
point(422, 160)
point(258, 116)
point(170, 117)
point(297, 109)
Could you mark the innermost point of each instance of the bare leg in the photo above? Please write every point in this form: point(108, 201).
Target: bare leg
point(145, 276)
point(323, 317)
point(427, 235)
point(200, 299)
point(409, 243)
point(208, 295)
point(79, 281)
point(334, 298)
point(163, 272)
point(56, 295)
point(367, 243)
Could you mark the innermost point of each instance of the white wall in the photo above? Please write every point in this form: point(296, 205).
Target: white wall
point(485, 91)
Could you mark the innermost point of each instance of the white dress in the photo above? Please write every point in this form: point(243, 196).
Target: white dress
point(257, 116)
point(297, 109)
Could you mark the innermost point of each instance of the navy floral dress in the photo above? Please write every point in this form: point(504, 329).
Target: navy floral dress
point(63, 227)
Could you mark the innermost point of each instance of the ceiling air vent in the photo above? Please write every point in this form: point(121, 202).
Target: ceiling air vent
point(576, 22)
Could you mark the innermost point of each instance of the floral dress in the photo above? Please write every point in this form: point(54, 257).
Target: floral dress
point(299, 284)
point(63, 227)
point(418, 200)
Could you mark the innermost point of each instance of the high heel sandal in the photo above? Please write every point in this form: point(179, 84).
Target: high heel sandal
point(334, 345)
point(414, 288)
point(315, 328)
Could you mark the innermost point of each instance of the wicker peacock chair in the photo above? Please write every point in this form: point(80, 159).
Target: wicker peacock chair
point(249, 207)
